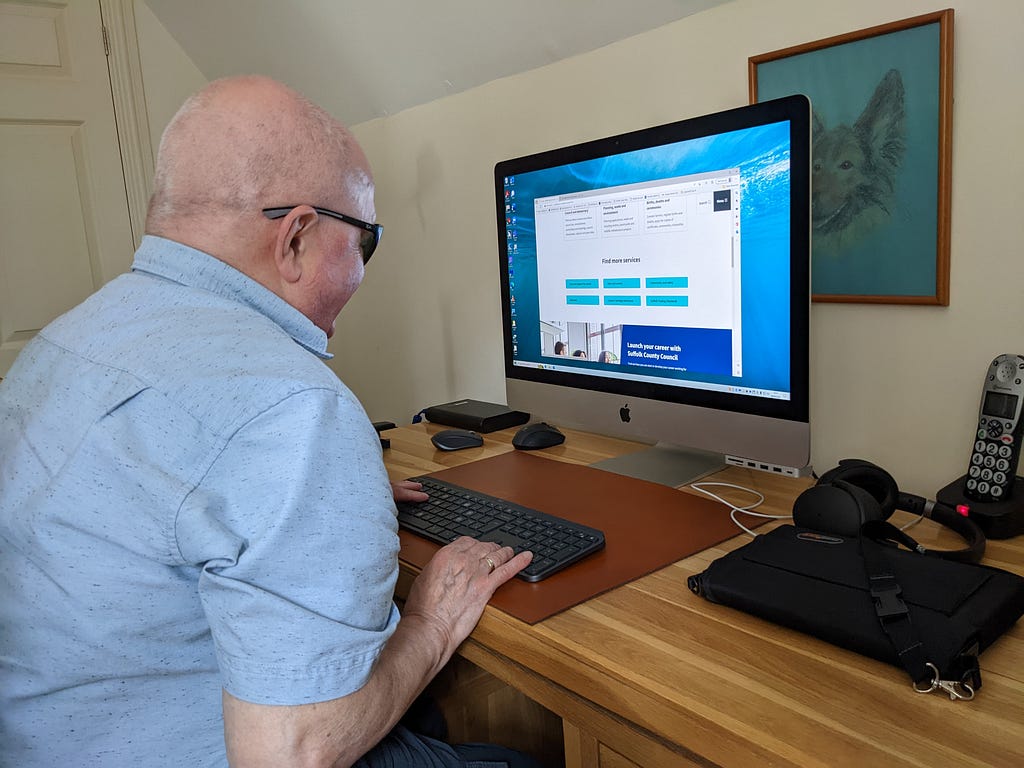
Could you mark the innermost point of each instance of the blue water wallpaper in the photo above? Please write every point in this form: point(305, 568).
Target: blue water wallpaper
point(762, 154)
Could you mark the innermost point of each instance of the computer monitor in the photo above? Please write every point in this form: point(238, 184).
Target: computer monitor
point(655, 286)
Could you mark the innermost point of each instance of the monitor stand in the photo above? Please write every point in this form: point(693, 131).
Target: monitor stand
point(665, 464)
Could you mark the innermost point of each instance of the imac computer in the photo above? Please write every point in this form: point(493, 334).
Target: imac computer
point(655, 286)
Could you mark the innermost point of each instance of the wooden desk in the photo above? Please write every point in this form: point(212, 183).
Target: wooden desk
point(651, 675)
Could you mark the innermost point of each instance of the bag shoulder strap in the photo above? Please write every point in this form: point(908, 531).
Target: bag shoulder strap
point(894, 615)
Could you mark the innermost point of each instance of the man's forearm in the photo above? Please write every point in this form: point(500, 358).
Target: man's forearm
point(445, 602)
point(339, 731)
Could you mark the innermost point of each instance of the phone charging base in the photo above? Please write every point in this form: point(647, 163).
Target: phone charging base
point(997, 519)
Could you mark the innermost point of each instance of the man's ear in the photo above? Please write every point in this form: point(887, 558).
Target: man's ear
point(291, 249)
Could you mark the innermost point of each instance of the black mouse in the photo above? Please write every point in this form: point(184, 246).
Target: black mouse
point(456, 439)
point(537, 435)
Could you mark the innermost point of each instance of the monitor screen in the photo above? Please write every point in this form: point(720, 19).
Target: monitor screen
point(655, 285)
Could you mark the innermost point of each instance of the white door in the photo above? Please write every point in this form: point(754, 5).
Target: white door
point(64, 222)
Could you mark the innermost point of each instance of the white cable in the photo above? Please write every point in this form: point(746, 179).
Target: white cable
point(746, 510)
point(913, 522)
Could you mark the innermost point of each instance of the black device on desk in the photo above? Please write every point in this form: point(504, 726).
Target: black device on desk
point(476, 415)
point(456, 439)
point(453, 511)
point(537, 435)
point(993, 464)
point(382, 426)
point(991, 489)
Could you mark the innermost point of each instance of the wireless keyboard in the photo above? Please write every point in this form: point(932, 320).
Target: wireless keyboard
point(453, 511)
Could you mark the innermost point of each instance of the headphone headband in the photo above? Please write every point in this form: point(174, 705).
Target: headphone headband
point(857, 492)
point(943, 514)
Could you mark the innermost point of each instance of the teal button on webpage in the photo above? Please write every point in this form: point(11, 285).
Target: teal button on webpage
point(622, 282)
point(578, 284)
point(667, 282)
point(668, 301)
point(583, 300)
point(622, 301)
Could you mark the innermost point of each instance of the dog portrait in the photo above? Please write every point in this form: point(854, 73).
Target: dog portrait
point(854, 168)
point(881, 123)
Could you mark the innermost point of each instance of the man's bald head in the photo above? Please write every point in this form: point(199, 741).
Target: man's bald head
point(246, 143)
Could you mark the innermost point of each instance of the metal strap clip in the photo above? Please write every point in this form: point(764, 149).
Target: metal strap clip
point(957, 689)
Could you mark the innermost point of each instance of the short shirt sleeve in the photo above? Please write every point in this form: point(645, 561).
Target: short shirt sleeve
point(294, 530)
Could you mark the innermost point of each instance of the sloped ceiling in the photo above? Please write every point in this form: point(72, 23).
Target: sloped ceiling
point(373, 58)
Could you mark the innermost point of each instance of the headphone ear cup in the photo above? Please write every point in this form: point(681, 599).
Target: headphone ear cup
point(870, 478)
point(837, 507)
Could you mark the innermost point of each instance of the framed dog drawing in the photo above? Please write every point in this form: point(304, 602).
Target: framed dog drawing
point(880, 186)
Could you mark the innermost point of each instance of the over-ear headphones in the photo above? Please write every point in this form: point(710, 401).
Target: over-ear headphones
point(858, 492)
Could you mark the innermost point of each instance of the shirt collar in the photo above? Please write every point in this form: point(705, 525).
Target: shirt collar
point(181, 264)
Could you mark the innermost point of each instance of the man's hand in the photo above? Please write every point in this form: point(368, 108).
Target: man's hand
point(450, 594)
point(408, 490)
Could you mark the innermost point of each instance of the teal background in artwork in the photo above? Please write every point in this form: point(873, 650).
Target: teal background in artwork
point(898, 257)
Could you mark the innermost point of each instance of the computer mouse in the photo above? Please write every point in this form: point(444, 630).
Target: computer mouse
point(456, 439)
point(537, 435)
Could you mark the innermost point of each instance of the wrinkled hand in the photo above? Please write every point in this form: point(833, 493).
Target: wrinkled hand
point(408, 490)
point(453, 589)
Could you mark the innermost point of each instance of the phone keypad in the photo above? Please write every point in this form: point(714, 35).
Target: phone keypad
point(987, 476)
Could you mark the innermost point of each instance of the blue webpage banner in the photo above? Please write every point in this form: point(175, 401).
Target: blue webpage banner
point(707, 350)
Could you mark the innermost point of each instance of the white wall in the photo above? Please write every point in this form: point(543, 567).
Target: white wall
point(895, 384)
point(169, 76)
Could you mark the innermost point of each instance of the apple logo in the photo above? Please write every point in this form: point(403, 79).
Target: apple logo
point(624, 413)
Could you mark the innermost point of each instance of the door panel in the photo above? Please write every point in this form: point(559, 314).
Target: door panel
point(64, 223)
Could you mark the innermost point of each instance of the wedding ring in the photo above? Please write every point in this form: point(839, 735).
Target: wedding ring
point(490, 564)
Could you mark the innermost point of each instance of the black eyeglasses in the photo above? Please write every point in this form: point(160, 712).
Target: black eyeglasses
point(371, 232)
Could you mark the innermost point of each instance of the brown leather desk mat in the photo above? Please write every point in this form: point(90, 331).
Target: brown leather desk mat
point(646, 526)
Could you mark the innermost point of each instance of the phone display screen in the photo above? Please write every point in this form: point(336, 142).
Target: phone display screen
point(1000, 405)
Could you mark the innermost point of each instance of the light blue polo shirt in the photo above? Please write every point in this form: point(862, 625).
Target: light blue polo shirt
point(189, 500)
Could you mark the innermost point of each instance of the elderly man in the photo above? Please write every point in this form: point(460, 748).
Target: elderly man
point(198, 543)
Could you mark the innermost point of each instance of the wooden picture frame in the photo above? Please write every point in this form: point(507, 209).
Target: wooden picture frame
point(882, 129)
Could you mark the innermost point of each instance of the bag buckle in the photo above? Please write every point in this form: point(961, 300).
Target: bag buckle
point(957, 689)
point(886, 593)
